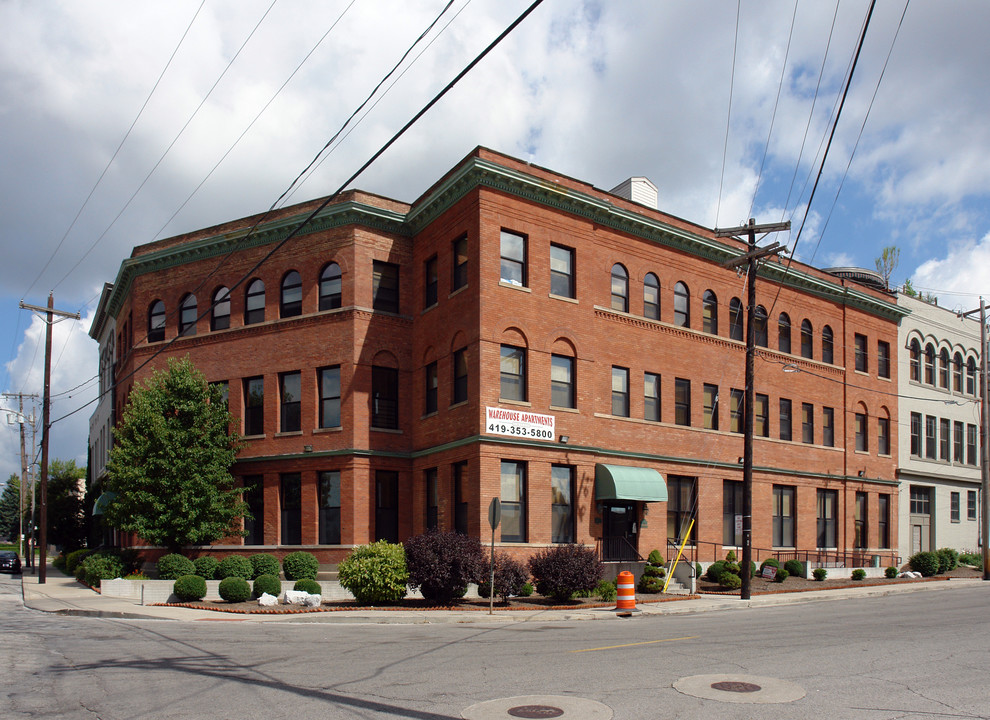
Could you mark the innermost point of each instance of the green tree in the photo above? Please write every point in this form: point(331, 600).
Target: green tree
point(66, 518)
point(887, 263)
point(170, 463)
point(9, 508)
point(908, 289)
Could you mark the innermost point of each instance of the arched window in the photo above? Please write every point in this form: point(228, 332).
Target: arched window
point(254, 305)
point(943, 369)
point(330, 287)
point(971, 377)
point(682, 305)
point(651, 297)
point(709, 312)
point(784, 333)
point(807, 350)
point(291, 304)
point(929, 365)
point(187, 315)
point(914, 350)
point(761, 337)
point(957, 372)
point(735, 319)
point(220, 317)
point(156, 321)
point(620, 288)
point(828, 345)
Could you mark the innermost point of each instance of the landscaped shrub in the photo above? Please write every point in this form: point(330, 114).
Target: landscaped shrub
point(561, 571)
point(698, 572)
point(264, 564)
point(510, 576)
point(73, 559)
point(206, 566)
point(606, 591)
point(781, 575)
point(714, 570)
point(173, 566)
point(135, 576)
point(442, 563)
point(655, 558)
point(190, 588)
point(308, 585)
point(234, 566)
point(948, 559)
point(375, 573)
point(299, 565)
point(235, 589)
point(973, 559)
point(819, 574)
point(730, 557)
point(652, 579)
point(794, 567)
point(101, 566)
point(267, 584)
point(527, 589)
point(771, 562)
point(859, 574)
point(890, 572)
point(730, 580)
point(924, 562)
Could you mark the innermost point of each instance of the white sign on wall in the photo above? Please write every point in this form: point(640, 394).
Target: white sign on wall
point(517, 423)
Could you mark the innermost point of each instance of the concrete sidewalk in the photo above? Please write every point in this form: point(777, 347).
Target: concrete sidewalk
point(65, 596)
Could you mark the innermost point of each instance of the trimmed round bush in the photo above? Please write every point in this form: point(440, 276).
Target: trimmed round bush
point(650, 584)
point(73, 559)
point(101, 566)
point(781, 575)
point(190, 588)
point(173, 566)
point(308, 585)
point(510, 576)
point(819, 574)
point(442, 563)
point(206, 566)
point(299, 565)
point(859, 574)
point(655, 558)
point(948, 559)
point(730, 556)
point(794, 567)
point(769, 562)
point(375, 573)
point(527, 589)
point(698, 572)
point(267, 584)
point(890, 572)
point(264, 564)
point(235, 589)
point(714, 570)
point(234, 566)
point(563, 570)
point(730, 580)
point(925, 563)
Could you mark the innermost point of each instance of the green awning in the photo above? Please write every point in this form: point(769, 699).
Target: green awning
point(621, 482)
point(102, 501)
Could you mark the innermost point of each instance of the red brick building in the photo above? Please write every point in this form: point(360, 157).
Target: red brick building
point(604, 337)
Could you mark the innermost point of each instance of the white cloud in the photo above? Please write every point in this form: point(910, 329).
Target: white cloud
point(960, 277)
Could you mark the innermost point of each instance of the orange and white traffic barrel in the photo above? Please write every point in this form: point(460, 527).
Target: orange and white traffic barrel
point(626, 599)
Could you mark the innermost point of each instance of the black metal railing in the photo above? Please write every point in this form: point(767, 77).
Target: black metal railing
point(617, 549)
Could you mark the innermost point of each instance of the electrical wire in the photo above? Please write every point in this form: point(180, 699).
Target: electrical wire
point(728, 119)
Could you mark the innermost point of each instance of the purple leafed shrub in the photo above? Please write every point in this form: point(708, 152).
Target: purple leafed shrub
point(441, 564)
point(564, 570)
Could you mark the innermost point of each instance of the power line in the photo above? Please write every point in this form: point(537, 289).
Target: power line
point(728, 119)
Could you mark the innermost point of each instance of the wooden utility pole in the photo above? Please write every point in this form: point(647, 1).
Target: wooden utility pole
point(751, 259)
point(984, 437)
point(21, 419)
point(50, 312)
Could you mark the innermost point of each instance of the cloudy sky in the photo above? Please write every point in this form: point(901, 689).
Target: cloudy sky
point(725, 106)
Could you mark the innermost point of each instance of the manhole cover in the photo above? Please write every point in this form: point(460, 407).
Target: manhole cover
point(735, 686)
point(535, 711)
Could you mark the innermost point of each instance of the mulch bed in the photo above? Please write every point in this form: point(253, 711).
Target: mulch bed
point(760, 586)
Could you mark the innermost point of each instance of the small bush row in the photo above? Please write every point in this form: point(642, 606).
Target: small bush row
point(296, 566)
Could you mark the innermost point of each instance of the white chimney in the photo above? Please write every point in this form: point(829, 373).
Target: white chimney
point(639, 190)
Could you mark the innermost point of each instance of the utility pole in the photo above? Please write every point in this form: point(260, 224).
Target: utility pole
point(984, 437)
point(751, 259)
point(50, 312)
point(20, 506)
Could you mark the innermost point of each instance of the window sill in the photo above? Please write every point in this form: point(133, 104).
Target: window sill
point(430, 414)
point(513, 286)
point(462, 403)
point(253, 437)
point(558, 408)
point(289, 433)
point(458, 291)
point(521, 403)
point(563, 298)
point(429, 307)
point(318, 431)
point(389, 431)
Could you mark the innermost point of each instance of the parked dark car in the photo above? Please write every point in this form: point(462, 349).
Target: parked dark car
point(9, 562)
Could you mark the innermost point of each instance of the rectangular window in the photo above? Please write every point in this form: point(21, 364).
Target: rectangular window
point(385, 286)
point(971, 444)
point(682, 401)
point(513, 254)
point(431, 389)
point(711, 406)
point(384, 398)
point(783, 515)
point(883, 436)
point(916, 434)
point(432, 282)
point(737, 399)
point(562, 381)
point(921, 502)
point(930, 437)
point(460, 376)
point(460, 263)
point(883, 359)
point(732, 506)
point(862, 437)
point(458, 473)
point(561, 271)
point(883, 521)
point(828, 427)
point(808, 423)
point(620, 391)
point(681, 508)
point(859, 342)
point(513, 499)
point(785, 419)
point(860, 536)
point(387, 505)
point(651, 397)
point(330, 397)
point(289, 389)
point(971, 504)
point(761, 416)
point(562, 504)
point(513, 373)
point(954, 515)
point(432, 499)
point(828, 518)
point(943, 439)
point(254, 522)
point(329, 499)
point(254, 406)
point(958, 441)
point(290, 505)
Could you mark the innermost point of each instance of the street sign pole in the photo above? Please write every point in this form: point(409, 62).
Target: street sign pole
point(494, 517)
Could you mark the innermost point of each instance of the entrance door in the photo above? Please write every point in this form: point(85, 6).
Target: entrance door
point(619, 538)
